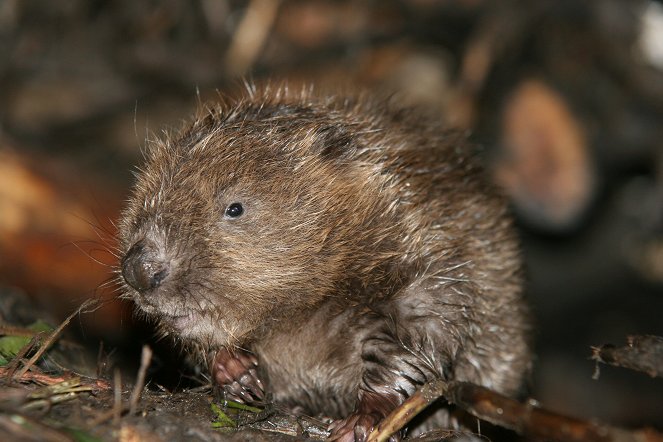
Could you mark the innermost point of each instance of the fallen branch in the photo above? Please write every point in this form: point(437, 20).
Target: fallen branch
point(533, 422)
point(642, 353)
point(526, 419)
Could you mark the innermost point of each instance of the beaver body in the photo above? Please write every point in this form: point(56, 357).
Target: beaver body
point(334, 253)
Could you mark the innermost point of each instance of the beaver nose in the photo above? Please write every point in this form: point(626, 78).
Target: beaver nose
point(142, 269)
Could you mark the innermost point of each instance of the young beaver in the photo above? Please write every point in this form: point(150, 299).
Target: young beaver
point(334, 253)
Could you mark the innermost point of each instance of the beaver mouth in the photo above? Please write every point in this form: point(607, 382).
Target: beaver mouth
point(180, 322)
point(186, 323)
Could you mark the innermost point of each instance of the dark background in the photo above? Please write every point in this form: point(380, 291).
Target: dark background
point(566, 97)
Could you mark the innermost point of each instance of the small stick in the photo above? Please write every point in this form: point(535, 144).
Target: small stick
point(118, 408)
point(46, 379)
point(52, 337)
point(642, 353)
point(145, 358)
point(66, 386)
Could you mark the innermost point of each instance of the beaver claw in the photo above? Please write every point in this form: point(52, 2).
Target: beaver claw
point(236, 373)
point(356, 428)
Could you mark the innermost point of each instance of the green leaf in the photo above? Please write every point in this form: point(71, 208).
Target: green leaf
point(11, 345)
point(240, 406)
point(222, 419)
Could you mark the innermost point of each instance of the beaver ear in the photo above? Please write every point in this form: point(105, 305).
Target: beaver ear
point(333, 142)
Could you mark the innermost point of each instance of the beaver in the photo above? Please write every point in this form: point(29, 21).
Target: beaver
point(333, 253)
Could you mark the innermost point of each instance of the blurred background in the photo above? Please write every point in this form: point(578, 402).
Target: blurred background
point(566, 98)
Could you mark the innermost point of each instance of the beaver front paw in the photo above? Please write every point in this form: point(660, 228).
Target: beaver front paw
point(236, 373)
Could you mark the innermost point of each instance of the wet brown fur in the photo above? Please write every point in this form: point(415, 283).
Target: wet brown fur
point(372, 247)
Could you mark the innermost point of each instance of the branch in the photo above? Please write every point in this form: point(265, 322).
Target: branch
point(526, 419)
point(533, 422)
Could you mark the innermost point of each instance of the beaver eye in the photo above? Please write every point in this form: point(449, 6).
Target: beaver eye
point(235, 210)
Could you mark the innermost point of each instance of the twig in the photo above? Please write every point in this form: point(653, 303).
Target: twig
point(118, 408)
point(642, 353)
point(46, 379)
point(115, 413)
point(145, 358)
point(56, 393)
point(52, 337)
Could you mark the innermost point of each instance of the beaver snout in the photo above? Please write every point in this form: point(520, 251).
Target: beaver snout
point(142, 269)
